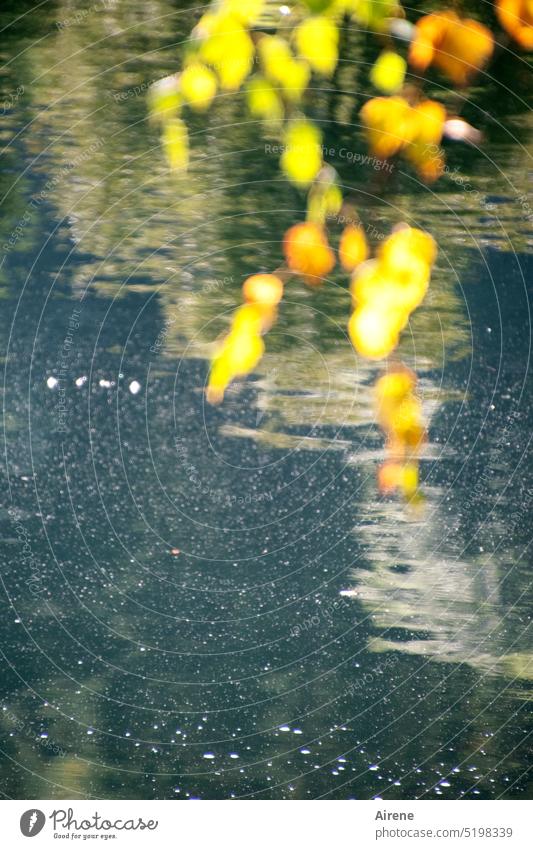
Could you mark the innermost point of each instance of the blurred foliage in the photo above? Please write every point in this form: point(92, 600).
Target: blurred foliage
point(305, 45)
point(111, 189)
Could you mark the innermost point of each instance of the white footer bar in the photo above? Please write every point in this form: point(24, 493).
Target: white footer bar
point(268, 825)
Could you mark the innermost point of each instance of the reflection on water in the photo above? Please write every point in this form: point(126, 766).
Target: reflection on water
point(173, 575)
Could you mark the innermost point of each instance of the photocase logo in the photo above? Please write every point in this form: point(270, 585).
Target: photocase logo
point(32, 822)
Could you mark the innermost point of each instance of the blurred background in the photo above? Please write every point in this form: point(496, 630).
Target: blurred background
point(206, 602)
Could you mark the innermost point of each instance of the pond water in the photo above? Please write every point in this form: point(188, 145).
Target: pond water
point(206, 602)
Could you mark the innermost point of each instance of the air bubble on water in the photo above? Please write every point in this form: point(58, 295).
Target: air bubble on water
point(52, 382)
point(234, 755)
point(81, 380)
point(134, 387)
point(284, 728)
point(209, 756)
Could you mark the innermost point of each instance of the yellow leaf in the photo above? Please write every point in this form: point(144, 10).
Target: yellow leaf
point(365, 282)
point(198, 86)
point(317, 40)
point(164, 98)
point(248, 319)
point(229, 50)
point(353, 247)
point(388, 72)
point(389, 125)
point(404, 244)
point(302, 158)
point(374, 333)
point(323, 203)
point(263, 100)
point(274, 52)
point(307, 252)
point(281, 66)
point(244, 352)
point(392, 389)
point(410, 479)
point(296, 74)
point(333, 200)
point(240, 352)
point(458, 47)
point(430, 117)
point(176, 143)
point(247, 11)
point(263, 290)
point(516, 16)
